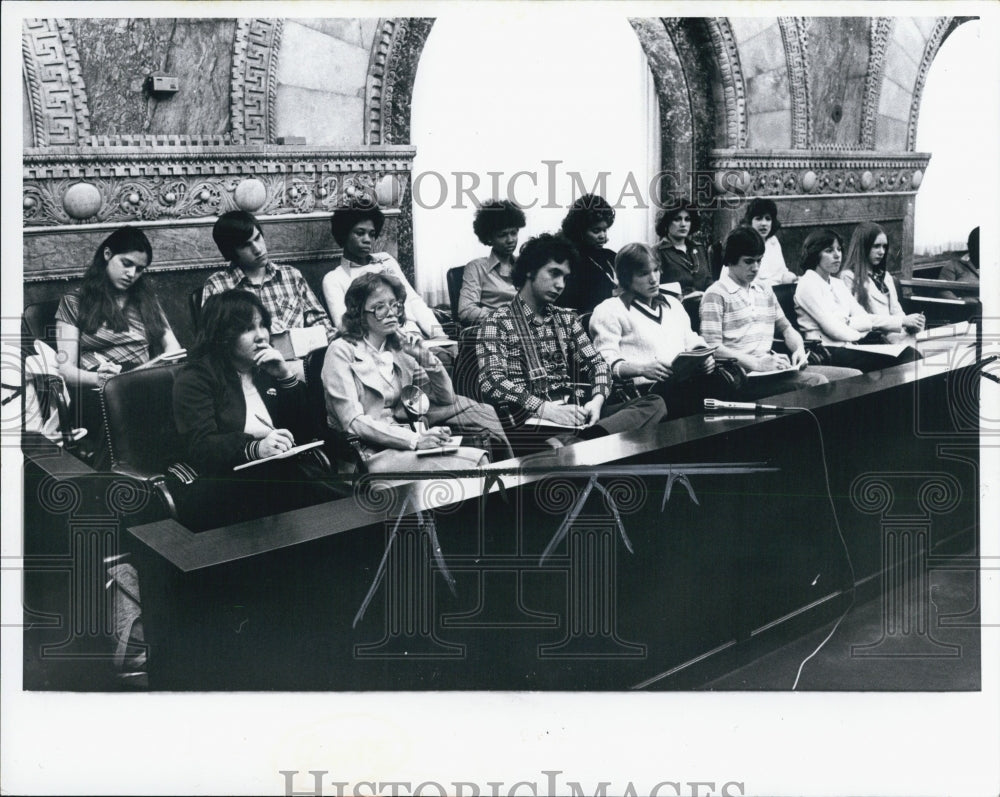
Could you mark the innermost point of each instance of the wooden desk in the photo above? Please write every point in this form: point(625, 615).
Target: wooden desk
point(270, 604)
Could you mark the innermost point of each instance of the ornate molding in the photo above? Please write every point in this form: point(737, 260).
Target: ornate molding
point(121, 184)
point(254, 80)
point(824, 173)
point(392, 68)
point(944, 26)
point(57, 96)
point(733, 85)
point(796, 41)
point(879, 32)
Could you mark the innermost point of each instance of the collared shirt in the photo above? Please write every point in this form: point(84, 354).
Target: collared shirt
point(483, 289)
point(128, 349)
point(283, 291)
point(689, 268)
point(503, 363)
point(741, 318)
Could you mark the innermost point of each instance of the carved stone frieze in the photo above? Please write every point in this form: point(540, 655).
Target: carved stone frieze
point(93, 185)
point(796, 41)
point(392, 68)
point(878, 36)
point(791, 173)
point(254, 81)
point(57, 97)
point(734, 88)
point(943, 27)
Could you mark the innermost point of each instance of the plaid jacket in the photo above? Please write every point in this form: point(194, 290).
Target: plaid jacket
point(503, 365)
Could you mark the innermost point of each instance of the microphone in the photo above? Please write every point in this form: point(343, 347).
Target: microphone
point(715, 405)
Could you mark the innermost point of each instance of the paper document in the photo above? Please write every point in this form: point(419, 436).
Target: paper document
point(283, 455)
point(448, 448)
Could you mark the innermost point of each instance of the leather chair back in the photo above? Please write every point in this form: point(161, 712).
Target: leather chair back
point(38, 322)
point(139, 421)
point(454, 279)
point(785, 293)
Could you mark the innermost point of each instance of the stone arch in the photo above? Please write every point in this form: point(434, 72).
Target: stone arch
point(796, 39)
point(879, 31)
point(254, 80)
point(392, 68)
point(56, 94)
point(942, 30)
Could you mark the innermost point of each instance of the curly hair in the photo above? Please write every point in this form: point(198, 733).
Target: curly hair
point(496, 215)
point(669, 214)
point(588, 210)
point(224, 317)
point(762, 206)
point(540, 250)
point(354, 323)
point(813, 247)
point(343, 220)
point(862, 240)
point(99, 298)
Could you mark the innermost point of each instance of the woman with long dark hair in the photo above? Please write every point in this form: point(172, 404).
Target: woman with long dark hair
point(865, 274)
point(681, 259)
point(364, 373)
point(237, 402)
point(113, 322)
point(593, 279)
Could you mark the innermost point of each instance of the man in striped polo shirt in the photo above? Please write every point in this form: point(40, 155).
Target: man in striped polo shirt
point(741, 317)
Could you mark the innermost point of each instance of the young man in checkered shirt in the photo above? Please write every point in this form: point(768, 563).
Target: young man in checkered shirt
point(536, 360)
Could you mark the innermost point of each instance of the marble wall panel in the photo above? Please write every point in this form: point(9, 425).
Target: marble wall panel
point(925, 25)
point(763, 52)
point(894, 100)
point(838, 62)
point(321, 117)
point(890, 134)
point(910, 38)
point(312, 59)
point(902, 65)
point(347, 30)
point(116, 55)
point(771, 130)
point(745, 28)
point(768, 91)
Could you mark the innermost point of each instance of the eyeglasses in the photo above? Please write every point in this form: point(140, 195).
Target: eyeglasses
point(382, 311)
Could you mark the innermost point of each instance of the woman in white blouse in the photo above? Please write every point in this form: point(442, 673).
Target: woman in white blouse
point(829, 313)
point(641, 332)
point(865, 274)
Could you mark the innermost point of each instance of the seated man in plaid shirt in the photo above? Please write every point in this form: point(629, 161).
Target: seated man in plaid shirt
point(533, 356)
point(281, 289)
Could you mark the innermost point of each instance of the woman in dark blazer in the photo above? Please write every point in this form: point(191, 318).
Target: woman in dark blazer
point(593, 279)
point(681, 259)
point(237, 402)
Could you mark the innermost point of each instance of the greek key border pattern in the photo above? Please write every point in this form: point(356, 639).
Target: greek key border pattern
point(733, 85)
point(254, 80)
point(879, 32)
point(942, 28)
point(796, 41)
point(136, 184)
point(56, 91)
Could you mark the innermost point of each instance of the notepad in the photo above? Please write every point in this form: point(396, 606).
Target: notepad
point(948, 331)
point(448, 448)
point(296, 342)
point(534, 422)
point(283, 455)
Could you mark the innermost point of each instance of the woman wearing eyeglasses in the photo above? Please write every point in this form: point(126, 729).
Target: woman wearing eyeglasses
point(364, 373)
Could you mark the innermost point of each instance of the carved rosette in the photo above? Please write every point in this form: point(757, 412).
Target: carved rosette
point(795, 38)
point(878, 36)
point(792, 173)
point(254, 80)
point(392, 68)
point(733, 85)
point(57, 97)
point(120, 184)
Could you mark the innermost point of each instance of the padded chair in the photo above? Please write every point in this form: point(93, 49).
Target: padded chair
point(785, 294)
point(465, 375)
point(194, 305)
point(693, 306)
point(139, 426)
point(343, 447)
point(38, 322)
point(715, 252)
point(454, 279)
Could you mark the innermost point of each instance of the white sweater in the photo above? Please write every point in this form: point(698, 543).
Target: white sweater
point(630, 334)
point(827, 311)
point(337, 281)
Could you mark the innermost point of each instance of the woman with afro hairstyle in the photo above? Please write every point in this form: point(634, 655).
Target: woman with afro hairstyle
point(486, 282)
